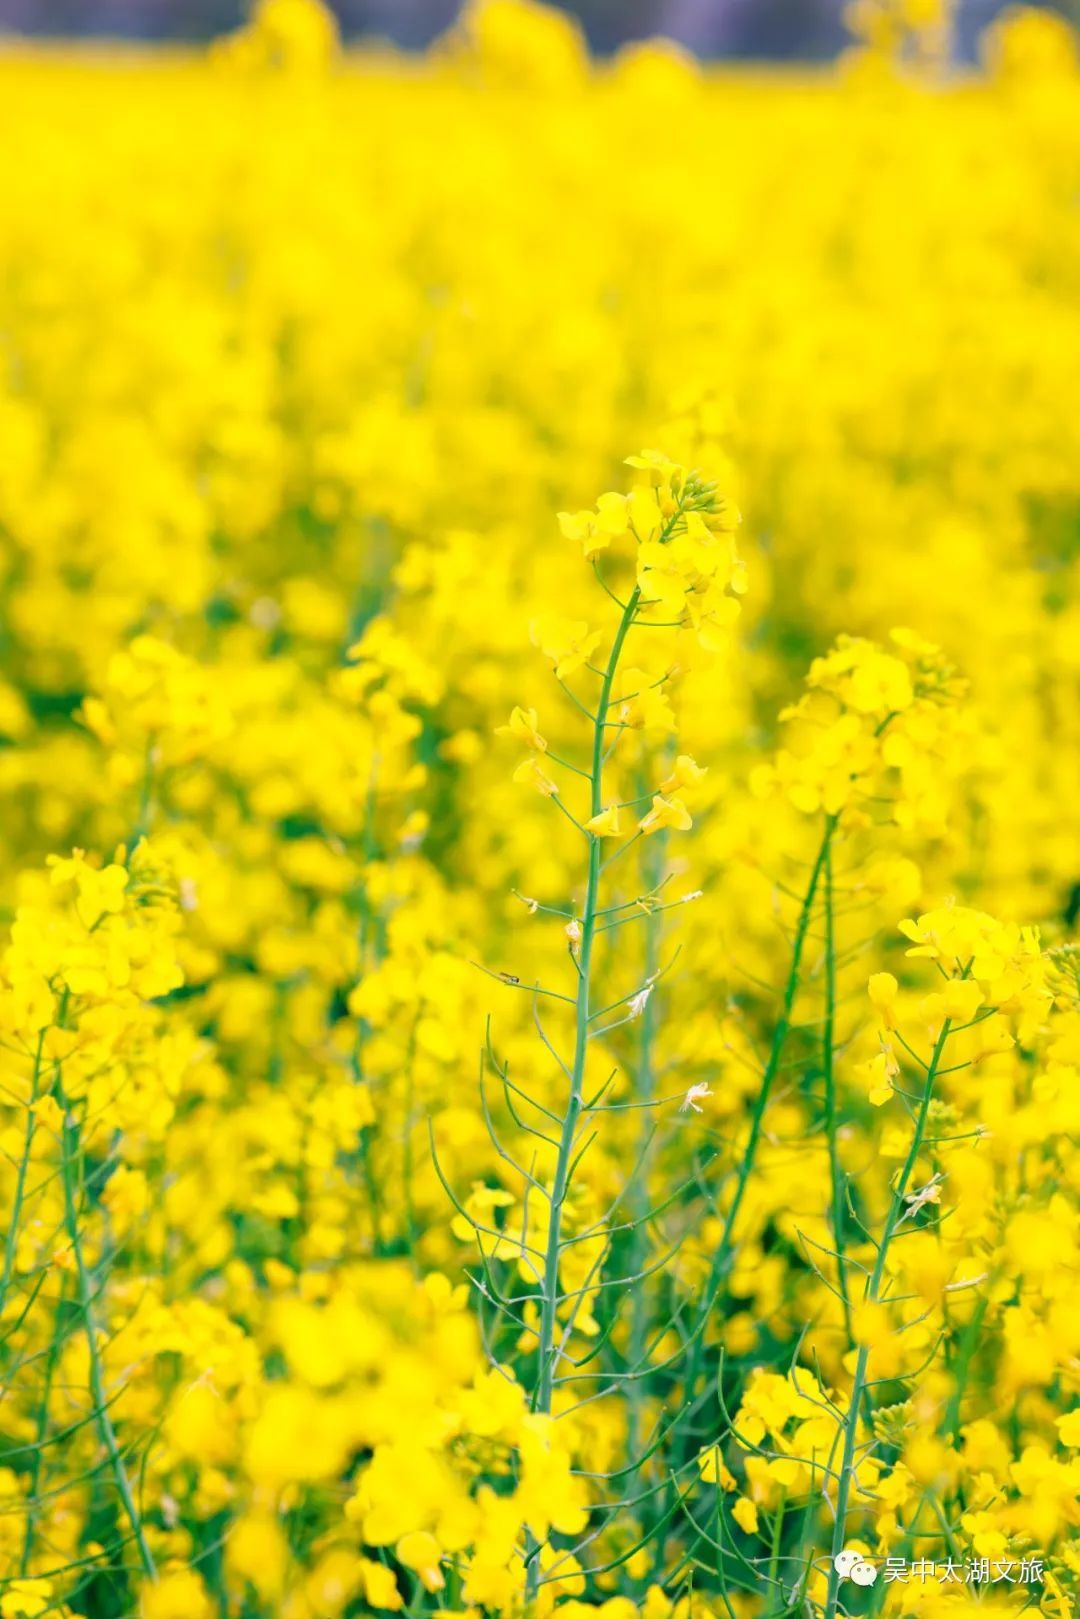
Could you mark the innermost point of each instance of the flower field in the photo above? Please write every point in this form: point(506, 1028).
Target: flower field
point(540, 754)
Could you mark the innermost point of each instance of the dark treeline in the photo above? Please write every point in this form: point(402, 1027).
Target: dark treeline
point(779, 29)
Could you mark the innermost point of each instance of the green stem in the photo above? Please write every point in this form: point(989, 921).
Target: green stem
point(550, 1293)
point(873, 1289)
point(721, 1256)
point(549, 1299)
point(40, 1433)
point(783, 1029)
point(20, 1179)
point(412, 1228)
point(644, 1091)
point(145, 807)
point(774, 1560)
point(106, 1431)
point(836, 1173)
point(969, 1342)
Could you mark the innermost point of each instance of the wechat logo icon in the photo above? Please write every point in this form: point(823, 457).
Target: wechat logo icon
point(852, 1565)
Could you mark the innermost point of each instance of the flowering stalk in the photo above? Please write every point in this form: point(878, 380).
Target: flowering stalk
point(548, 1349)
point(568, 1131)
point(682, 568)
point(687, 577)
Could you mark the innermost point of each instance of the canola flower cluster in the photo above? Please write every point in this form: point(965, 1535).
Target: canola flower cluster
point(540, 1033)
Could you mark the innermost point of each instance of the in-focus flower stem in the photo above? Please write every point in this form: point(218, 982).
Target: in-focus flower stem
point(873, 1288)
point(721, 1256)
point(550, 1294)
